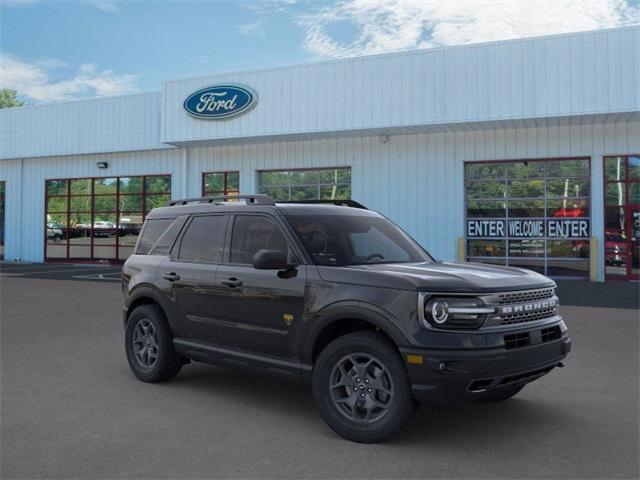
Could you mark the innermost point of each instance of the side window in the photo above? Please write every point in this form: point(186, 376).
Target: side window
point(167, 239)
point(204, 239)
point(151, 232)
point(253, 233)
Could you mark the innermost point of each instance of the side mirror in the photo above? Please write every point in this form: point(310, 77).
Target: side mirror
point(270, 260)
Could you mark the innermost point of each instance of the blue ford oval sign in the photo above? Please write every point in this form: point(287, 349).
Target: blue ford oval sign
point(220, 101)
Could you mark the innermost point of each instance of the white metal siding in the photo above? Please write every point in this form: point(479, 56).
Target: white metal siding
point(558, 76)
point(25, 189)
point(416, 180)
point(114, 124)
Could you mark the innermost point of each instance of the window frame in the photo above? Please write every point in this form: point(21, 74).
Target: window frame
point(91, 212)
point(318, 185)
point(226, 190)
point(627, 207)
point(509, 260)
point(292, 241)
point(174, 254)
point(3, 215)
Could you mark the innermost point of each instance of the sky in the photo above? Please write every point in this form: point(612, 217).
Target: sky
point(55, 50)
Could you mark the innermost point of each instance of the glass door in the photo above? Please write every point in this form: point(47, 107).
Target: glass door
point(622, 217)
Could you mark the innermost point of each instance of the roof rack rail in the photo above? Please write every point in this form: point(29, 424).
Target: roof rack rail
point(249, 200)
point(341, 203)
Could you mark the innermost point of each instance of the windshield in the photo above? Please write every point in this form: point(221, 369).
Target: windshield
point(342, 240)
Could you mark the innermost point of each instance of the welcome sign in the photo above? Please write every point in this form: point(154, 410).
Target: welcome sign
point(528, 228)
point(220, 102)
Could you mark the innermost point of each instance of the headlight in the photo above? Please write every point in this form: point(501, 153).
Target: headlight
point(456, 312)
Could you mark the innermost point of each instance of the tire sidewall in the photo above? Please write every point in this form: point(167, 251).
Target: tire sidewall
point(167, 359)
point(402, 403)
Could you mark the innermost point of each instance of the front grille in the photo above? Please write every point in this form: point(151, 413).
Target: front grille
point(527, 317)
point(526, 296)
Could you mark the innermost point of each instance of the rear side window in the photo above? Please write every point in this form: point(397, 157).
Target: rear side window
point(151, 232)
point(168, 238)
point(204, 239)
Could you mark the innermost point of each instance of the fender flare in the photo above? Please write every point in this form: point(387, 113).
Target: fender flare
point(147, 291)
point(353, 310)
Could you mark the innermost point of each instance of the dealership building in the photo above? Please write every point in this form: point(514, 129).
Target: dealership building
point(522, 152)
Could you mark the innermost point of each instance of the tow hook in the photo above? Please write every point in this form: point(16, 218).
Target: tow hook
point(560, 365)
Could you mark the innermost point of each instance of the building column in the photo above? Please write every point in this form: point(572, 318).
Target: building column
point(248, 182)
point(597, 211)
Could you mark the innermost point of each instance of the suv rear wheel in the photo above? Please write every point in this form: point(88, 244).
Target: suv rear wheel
point(149, 345)
point(361, 387)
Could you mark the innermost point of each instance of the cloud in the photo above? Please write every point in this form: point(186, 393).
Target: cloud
point(253, 28)
point(34, 80)
point(104, 5)
point(380, 26)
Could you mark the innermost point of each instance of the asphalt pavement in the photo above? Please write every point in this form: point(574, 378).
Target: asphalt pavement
point(71, 407)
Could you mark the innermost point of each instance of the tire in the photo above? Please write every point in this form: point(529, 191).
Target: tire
point(369, 409)
point(502, 394)
point(148, 329)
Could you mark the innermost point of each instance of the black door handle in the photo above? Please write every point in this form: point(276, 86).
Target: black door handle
point(172, 276)
point(232, 282)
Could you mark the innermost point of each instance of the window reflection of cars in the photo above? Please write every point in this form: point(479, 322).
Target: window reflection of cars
point(615, 248)
point(102, 228)
point(129, 226)
point(54, 232)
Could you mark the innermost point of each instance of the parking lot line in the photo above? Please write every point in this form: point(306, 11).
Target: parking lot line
point(39, 272)
point(100, 276)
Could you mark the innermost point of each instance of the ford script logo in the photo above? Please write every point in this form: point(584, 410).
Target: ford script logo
point(220, 101)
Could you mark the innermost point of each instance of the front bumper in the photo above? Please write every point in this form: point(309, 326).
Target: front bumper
point(447, 377)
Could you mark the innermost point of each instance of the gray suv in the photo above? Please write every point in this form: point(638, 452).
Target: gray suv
point(336, 295)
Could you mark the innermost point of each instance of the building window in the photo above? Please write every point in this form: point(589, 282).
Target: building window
point(2, 189)
point(622, 217)
point(316, 184)
point(533, 214)
point(220, 183)
point(99, 218)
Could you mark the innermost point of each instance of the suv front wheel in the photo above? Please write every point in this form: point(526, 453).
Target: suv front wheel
point(149, 345)
point(361, 387)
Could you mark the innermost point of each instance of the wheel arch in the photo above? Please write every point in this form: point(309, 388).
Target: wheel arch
point(347, 318)
point(145, 296)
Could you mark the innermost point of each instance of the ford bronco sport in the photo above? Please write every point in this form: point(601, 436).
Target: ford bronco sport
point(337, 295)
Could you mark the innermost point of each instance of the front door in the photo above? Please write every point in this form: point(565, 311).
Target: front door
point(622, 217)
point(257, 310)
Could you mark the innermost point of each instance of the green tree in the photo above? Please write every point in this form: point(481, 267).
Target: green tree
point(8, 98)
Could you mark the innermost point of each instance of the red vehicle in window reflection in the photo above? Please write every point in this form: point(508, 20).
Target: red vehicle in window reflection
point(575, 212)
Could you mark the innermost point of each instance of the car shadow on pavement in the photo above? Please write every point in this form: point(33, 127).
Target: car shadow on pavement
point(452, 426)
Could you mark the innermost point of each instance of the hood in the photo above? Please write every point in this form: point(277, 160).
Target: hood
point(438, 277)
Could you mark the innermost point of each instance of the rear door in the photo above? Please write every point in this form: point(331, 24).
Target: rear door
point(257, 310)
point(189, 275)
